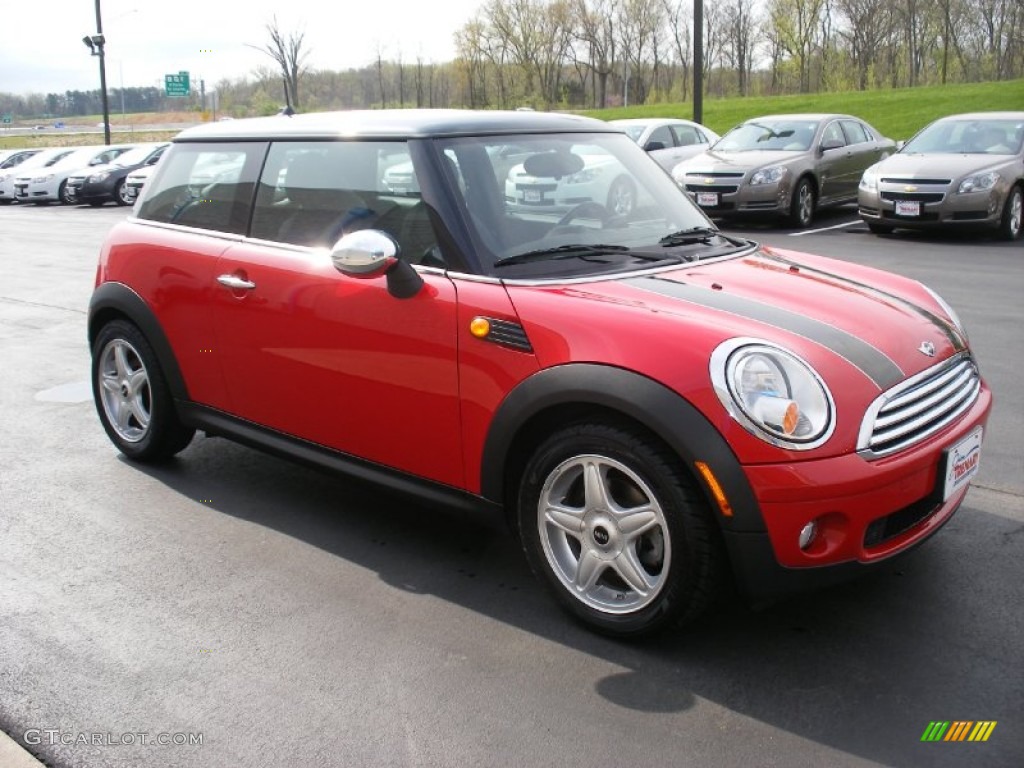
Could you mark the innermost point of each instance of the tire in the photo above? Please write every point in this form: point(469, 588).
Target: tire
point(616, 532)
point(621, 198)
point(119, 194)
point(880, 229)
point(801, 207)
point(132, 397)
point(62, 194)
point(1013, 212)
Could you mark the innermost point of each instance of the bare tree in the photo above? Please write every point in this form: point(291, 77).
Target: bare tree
point(287, 49)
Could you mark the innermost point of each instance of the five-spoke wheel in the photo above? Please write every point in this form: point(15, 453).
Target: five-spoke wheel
point(616, 530)
point(132, 397)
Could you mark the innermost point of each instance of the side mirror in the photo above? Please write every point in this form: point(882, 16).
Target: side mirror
point(900, 144)
point(653, 146)
point(828, 144)
point(370, 253)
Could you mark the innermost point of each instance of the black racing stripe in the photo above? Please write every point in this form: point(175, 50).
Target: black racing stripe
point(947, 328)
point(883, 371)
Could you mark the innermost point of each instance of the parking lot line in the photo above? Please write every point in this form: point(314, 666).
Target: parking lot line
point(823, 229)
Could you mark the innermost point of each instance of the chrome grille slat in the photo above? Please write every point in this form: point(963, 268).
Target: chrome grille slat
point(883, 437)
point(890, 415)
point(919, 407)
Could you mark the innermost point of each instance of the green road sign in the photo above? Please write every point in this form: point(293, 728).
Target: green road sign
point(176, 85)
point(7, 119)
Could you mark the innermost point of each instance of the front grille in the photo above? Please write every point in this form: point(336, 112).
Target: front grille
point(970, 215)
point(722, 175)
point(920, 197)
point(923, 217)
point(919, 407)
point(889, 527)
point(942, 182)
point(723, 190)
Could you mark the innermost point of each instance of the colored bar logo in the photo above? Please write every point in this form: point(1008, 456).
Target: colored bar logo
point(958, 730)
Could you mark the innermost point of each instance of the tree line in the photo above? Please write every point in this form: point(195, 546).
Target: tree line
point(602, 53)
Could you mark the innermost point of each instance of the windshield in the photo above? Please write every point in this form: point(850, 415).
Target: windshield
point(972, 137)
point(790, 135)
point(570, 204)
point(134, 156)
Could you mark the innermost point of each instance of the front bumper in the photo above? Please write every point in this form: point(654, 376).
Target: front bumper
point(865, 511)
point(930, 206)
point(735, 197)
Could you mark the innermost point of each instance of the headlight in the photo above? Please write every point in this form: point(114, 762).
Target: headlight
point(774, 394)
point(101, 176)
point(42, 179)
point(770, 175)
point(948, 310)
point(979, 182)
point(869, 182)
point(587, 174)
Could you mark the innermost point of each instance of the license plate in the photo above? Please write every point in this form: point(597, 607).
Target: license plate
point(962, 462)
point(908, 208)
point(531, 195)
point(707, 198)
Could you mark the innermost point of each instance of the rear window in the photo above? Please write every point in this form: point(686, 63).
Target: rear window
point(208, 186)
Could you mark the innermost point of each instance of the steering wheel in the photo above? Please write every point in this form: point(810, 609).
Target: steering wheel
point(590, 208)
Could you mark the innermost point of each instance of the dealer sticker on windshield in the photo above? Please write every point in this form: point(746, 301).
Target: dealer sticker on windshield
point(962, 461)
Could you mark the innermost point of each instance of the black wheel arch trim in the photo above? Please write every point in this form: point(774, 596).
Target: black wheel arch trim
point(661, 410)
point(121, 300)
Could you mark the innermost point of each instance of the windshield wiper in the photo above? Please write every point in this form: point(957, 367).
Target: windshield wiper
point(571, 251)
point(690, 235)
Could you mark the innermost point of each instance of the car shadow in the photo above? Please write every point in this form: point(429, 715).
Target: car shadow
point(862, 667)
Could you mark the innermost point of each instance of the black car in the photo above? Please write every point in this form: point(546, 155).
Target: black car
point(96, 186)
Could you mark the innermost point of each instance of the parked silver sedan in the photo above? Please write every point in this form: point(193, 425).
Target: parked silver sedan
point(668, 140)
point(783, 165)
point(959, 171)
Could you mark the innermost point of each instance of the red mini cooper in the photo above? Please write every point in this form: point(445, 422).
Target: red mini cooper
point(654, 405)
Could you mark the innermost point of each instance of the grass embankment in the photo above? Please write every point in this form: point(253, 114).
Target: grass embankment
point(898, 113)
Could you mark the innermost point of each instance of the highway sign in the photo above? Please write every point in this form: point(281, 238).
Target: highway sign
point(176, 85)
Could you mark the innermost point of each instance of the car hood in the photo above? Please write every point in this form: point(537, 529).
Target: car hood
point(717, 161)
point(938, 166)
point(834, 314)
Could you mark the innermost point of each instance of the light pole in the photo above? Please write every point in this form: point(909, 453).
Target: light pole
point(95, 44)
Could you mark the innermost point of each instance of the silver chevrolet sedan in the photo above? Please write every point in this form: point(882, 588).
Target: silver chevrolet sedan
point(960, 171)
point(783, 165)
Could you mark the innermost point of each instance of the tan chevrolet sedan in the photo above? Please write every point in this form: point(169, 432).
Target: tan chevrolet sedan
point(960, 171)
point(783, 165)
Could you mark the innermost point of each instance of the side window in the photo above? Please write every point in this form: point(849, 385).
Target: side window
point(855, 132)
point(661, 135)
point(313, 193)
point(687, 135)
point(208, 186)
point(833, 132)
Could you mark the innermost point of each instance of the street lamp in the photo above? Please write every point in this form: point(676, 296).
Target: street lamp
point(95, 44)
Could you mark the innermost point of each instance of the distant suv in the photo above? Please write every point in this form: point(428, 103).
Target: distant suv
point(649, 402)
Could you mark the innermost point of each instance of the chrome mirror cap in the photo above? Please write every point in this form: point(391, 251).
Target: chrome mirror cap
point(366, 253)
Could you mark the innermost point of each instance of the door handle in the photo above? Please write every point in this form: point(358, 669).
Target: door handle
point(237, 283)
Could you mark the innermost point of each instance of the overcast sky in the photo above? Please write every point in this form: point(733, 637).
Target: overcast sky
point(42, 49)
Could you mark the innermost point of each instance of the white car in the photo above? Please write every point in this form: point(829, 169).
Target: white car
point(35, 164)
point(135, 181)
point(49, 184)
point(10, 159)
point(598, 178)
point(668, 140)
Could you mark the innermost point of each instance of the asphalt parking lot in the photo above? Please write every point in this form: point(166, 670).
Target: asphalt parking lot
point(281, 616)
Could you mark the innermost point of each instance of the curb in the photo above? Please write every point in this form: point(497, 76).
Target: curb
point(13, 755)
